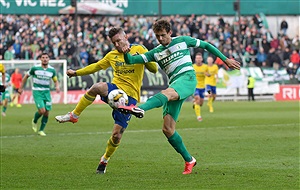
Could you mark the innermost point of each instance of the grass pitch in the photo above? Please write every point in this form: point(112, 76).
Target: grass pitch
point(242, 145)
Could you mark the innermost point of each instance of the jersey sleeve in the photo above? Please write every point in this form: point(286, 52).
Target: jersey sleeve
point(94, 67)
point(151, 66)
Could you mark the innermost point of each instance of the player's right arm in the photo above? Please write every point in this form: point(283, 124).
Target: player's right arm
point(26, 76)
point(92, 68)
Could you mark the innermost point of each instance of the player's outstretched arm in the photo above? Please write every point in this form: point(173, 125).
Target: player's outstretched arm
point(233, 64)
point(92, 68)
point(129, 59)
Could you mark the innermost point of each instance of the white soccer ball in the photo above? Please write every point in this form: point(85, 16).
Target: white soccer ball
point(117, 98)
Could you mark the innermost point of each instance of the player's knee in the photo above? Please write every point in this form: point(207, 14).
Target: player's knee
point(98, 88)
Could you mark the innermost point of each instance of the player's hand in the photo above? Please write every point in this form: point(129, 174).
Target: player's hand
point(71, 73)
point(233, 64)
point(125, 49)
point(57, 89)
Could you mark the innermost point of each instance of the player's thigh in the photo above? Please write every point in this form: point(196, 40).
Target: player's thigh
point(123, 119)
point(185, 85)
point(213, 89)
point(173, 108)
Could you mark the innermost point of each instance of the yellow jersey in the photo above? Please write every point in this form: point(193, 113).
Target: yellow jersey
point(2, 68)
point(126, 77)
point(200, 75)
point(212, 79)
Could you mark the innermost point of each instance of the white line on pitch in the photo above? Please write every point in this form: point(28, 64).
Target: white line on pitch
point(151, 130)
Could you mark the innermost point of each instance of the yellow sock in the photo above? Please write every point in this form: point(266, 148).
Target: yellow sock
point(110, 149)
point(210, 101)
point(197, 110)
point(84, 102)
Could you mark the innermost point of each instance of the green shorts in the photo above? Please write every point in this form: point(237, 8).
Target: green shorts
point(5, 95)
point(184, 85)
point(42, 99)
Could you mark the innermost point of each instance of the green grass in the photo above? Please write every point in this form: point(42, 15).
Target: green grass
point(242, 145)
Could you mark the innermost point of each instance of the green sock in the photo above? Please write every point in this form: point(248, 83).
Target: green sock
point(155, 101)
point(44, 122)
point(4, 109)
point(176, 141)
point(36, 117)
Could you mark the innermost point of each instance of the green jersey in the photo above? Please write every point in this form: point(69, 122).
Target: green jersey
point(41, 77)
point(174, 58)
point(7, 78)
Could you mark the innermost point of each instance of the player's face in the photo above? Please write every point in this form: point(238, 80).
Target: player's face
point(45, 59)
point(120, 40)
point(163, 37)
point(198, 59)
point(210, 61)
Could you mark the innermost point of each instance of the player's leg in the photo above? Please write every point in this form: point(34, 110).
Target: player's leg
point(213, 97)
point(44, 121)
point(87, 99)
point(121, 123)
point(163, 97)
point(199, 98)
point(112, 145)
point(18, 97)
point(173, 136)
point(184, 87)
point(5, 99)
point(39, 103)
point(45, 112)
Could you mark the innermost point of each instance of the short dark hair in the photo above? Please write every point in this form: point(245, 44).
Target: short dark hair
point(162, 24)
point(45, 53)
point(115, 30)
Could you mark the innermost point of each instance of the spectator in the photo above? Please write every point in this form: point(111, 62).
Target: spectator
point(295, 57)
point(9, 53)
point(273, 60)
point(274, 43)
point(84, 56)
point(261, 57)
point(283, 26)
point(17, 48)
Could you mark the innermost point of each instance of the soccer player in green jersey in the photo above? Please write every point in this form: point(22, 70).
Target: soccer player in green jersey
point(125, 77)
point(6, 94)
point(42, 74)
point(173, 56)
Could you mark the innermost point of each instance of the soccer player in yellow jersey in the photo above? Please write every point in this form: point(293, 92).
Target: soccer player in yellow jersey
point(211, 82)
point(201, 71)
point(126, 77)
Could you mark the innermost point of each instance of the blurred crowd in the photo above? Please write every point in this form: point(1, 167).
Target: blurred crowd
point(25, 37)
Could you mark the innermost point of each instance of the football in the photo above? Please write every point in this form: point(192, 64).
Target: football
point(117, 98)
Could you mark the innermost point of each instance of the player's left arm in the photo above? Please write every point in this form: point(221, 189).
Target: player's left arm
point(57, 87)
point(151, 66)
point(233, 64)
